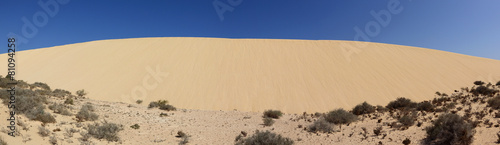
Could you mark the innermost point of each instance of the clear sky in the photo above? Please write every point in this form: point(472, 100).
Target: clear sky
point(461, 26)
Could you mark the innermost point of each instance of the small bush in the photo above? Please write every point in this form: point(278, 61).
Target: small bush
point(41, 85)
point(381, 109)
point(320, 125)
point(108, 131)
point(26, 103)
point(450, 129)
point(167, 107)
point(425, 106)
point(81, 93)
point(69, 101)
point(483, 90)
point(53, 140)
point(340, 116)
point(401, 103)
point(60, 93)
point(498, 83)
point(157, 103)
point(276, 114)
point(135, 126)
point(479, 83)
point(265, 138)
point(60, 109)
point(86, 113)
point(44, 132)
point(40, 115)
point(138, 101)
point(363, 108)
point(268, 121)
point(407, 120)
point(494, 102)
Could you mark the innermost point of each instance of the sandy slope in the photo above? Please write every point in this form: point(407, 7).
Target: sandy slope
point(251, 74)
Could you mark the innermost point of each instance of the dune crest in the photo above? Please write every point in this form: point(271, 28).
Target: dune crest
point(251, 74)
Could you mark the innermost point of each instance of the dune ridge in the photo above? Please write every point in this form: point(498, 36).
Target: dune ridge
point(251, 74)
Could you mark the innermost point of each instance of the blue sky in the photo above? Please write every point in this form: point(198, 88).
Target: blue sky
point(461, 26)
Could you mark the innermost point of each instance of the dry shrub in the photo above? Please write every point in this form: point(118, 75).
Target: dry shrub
point(401, 104)
point(268, 121)
point(44, 132)
point(265, 138)
point(86, 113)
point(320, 125)
point(340, 116)
point(276, 114)
point(60, 109)
point(494, 102)
point(108, 131)
point(425, 106)
point(407, 120)
point(450, 129)
point(363, 108)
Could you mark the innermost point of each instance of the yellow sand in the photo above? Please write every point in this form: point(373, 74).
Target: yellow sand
point(251, 74)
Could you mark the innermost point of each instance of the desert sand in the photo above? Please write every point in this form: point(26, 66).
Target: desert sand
point(221, 86)
point(251, 74)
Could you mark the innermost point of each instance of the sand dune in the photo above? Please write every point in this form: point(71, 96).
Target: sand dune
point(251, 74)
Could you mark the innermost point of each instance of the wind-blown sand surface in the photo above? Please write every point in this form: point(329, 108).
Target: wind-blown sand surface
point(251, 74)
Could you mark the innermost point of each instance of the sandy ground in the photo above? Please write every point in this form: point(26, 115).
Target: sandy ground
point(251, 74)
point(221, 127)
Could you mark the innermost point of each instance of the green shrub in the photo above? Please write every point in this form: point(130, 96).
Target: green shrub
point(86, 113)
point(450, 129)
point(108, 131)
point(425, 106)
point(135, 126)
point(276, 114)
point(494, 102)
point(81, 93)
point(479, 83)
point(60, 109)
point(363, 108)
point(138, 101)
point(268, 121)
point(265, 138)
point(401, 103)
point(340, 116)
point(320, 125)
